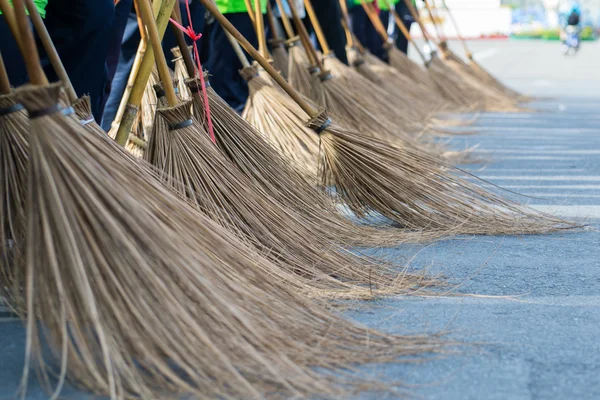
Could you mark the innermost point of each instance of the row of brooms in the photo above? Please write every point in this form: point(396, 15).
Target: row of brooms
point(207, 267)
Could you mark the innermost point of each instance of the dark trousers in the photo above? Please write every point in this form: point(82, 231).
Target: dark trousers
point(224, 63)
point(127, 52)
point(404, 13)
point(79, 30)
point(327, 12)
point(366, 33)
point(13, 61)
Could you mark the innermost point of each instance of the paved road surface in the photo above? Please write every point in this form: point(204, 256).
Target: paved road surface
point(543, 343)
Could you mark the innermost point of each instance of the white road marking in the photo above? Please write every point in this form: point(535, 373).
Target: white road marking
point(575, 211)
point(541, 158)
point(533, 151)
point(566, 195)
point(583, 178)
point(572, 187)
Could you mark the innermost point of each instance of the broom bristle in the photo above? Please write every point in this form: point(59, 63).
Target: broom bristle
point(14, 150)
point(280, 56)
point(137, 295)
point(415, 190)
point(406, 66)
point(198, 170)
point(493, 99)
point(299, 75)
point(274, 173)
point(181, 75)
point(298, 143)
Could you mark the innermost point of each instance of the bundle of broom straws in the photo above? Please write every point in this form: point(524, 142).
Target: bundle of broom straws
point(196, 252)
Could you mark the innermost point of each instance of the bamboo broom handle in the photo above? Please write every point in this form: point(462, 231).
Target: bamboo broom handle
point(404, 30)
point(313, 56)
point(4, 81)
point(137, 62)
point(239, 52)
point(317, 27)
point(250, 11)
point(57, 64)
point(416, 17)
point(162, 9)
point(374, 18)
point(462, 39)
point(181, 43)
point(31, 55)
point(311, 111)
point(345, 20)
point(350, 42)
point(260, 29)
point(272, 23)
point(161, 61)
point(11, 21)
point(435, 26)
point(141, 27)
point(444, 37)
point(289, 31)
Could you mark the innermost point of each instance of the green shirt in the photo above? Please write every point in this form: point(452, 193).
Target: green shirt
point(359, 2)
point(383, 4)
point(237, 6)
point(39, 4)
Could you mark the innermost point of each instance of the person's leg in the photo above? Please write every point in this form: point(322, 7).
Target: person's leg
point(329, 14)
point(122, 10)
point(15, 66)
point(79, 29)
point(404, 13)
point(376, 43)
point(129, 46)
point(225, 65)
point(359, 24)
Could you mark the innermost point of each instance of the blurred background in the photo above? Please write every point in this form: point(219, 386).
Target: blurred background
point(517, 19)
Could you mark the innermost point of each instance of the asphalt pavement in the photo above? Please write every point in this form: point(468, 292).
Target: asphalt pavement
point(530, 310)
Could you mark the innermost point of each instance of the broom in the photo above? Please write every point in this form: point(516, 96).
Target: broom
point(278, 51)
point(245, 146)
point(362, 105)
point(177, 307)
point(476, 67)
point(397, 59)
point(490, 98)
point(402, 184)
point(14, 147)
point(196, 168)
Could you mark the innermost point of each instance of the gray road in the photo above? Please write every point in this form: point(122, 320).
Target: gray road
point(541, 342)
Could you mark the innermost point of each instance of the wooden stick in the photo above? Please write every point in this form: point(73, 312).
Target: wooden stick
point(141, 26)
point(11, 20)
point(430, 11)
point(317, 27)
point(31, 55)
point(289, 31)
point(312, 112)
point(137, 62)
point(272, 23)
point(346, 24)
point(260, 29)
point(374, 18)
point(416, 17)
point(181, 43)
point(462, 39)
point(4, 81)
point(162, 9)
point(305, 38)
point(239, 52)
point(57, 64)
point(404, 30)
point(250, 11)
